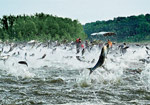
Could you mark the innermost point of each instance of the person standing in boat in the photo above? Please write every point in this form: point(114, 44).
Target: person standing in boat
point(123, 48)
point(78, 45)
point(109, 44)
point(86, 45)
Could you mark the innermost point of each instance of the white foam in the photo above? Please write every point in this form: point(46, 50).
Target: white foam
point(57, 59)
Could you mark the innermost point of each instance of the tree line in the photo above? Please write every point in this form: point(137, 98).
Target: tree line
point(127, 29)
point(40, 27)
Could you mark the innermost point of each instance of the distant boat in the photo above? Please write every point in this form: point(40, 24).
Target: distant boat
point(104, 33)
point(32, 41)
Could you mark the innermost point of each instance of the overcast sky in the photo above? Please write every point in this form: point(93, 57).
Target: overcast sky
point(83, 10)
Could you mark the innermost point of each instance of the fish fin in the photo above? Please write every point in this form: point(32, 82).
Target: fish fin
point(90, 70)
point(105, 68)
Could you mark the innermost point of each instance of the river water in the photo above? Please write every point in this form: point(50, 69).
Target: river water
point(60, 78)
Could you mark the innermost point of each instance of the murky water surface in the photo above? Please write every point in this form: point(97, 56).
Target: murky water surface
point(60, 78)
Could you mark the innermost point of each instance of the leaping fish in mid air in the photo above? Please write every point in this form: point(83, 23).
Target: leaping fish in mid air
point(23, 62)
point(101, 60)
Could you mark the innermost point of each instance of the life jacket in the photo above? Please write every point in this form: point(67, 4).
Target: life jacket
point(77, 40)
point(110, 43)
point(82, 45)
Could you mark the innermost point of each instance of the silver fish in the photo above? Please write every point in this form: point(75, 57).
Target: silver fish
point(101, 60)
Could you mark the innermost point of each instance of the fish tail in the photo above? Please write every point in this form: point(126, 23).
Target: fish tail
point(90, 70)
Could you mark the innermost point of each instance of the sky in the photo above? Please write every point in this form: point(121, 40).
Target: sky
point(85, 11)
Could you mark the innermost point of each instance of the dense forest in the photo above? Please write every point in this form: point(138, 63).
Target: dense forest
point(127, 29)
point(40, 27)
point(45, 27)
